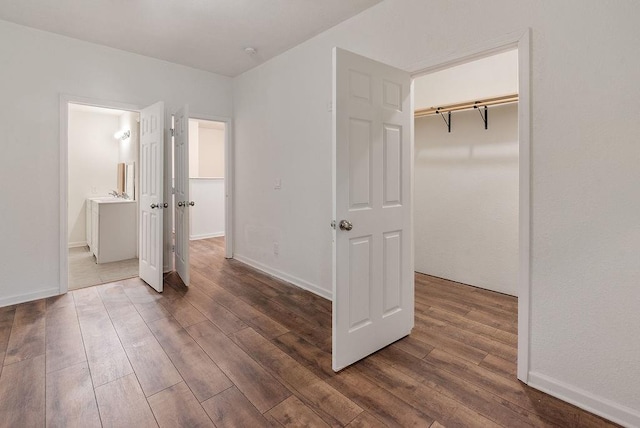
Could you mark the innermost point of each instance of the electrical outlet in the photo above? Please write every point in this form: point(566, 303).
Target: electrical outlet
point(276, 248)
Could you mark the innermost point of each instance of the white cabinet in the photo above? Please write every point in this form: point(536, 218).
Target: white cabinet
point(112, 234)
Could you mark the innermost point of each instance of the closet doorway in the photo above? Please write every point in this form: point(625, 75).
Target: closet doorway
point(519, 44)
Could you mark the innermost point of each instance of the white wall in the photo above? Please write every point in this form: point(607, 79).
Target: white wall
point(493, 76)
point(207, 216)
point(39, 67)
point(129, 147)
point(585, 177)
point(93, 165)
point(194, 148)
point(211, 152)
point(466, 198)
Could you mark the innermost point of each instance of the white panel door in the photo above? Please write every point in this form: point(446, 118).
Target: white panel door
point(151, 192)
point(181, 193)
point(373, 284)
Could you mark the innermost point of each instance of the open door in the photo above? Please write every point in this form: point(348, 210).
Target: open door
point(373, 282)
point(151, 194)
point(181, 192)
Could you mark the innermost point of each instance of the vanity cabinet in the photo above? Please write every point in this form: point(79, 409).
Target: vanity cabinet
point(111, 229)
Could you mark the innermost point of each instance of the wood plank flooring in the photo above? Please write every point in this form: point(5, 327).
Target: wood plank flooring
point(242, 349)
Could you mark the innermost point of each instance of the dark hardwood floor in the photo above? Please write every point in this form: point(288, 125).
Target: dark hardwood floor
point(242, 349)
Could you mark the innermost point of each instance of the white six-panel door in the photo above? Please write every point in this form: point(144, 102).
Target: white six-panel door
point(151, 194)
point(181, 195)
point(373, 287)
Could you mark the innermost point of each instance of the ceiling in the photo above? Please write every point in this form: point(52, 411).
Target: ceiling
point(206, 34)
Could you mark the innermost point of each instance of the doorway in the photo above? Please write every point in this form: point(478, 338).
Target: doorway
point(207, 170)
point(521, 42)
point(102, 210)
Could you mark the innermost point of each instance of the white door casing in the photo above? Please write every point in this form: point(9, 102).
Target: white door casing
point(373, 284)
point(181, 193)
point(151, 194)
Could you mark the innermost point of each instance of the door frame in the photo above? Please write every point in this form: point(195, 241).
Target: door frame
point(65, 100)
point(521, 41)
point(228, 177)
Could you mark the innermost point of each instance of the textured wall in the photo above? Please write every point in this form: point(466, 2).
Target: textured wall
point(584, 159)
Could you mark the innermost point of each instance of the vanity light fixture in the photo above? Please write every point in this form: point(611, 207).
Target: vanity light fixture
point(122, 135)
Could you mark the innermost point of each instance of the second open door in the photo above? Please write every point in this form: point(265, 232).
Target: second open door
point(181, 192)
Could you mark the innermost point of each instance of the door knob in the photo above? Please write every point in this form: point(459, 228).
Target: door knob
point(345, 225)
point(155, 206)
point(165, 205)
point(181, 204)
point(191, 203)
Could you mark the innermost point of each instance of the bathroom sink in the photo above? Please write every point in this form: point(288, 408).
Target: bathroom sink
point(110, 199)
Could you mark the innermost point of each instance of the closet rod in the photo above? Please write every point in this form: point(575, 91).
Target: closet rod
point(506, 99)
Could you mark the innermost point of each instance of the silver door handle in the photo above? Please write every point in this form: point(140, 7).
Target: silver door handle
point(191, 203)
point(346, 225)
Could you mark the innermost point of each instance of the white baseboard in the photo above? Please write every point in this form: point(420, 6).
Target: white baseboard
point(614, 412)
point(21, 298)
point(77, 244)
point(284, 276)
point(206, 236)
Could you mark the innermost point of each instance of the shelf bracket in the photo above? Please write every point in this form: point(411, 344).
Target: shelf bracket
point(485, 116)
point(448, 122)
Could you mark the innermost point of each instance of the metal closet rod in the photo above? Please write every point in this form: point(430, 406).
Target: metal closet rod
point(505, 99)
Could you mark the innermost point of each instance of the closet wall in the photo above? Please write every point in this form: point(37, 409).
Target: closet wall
point(466, 198)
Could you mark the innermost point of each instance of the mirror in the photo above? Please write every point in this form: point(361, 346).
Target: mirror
point(129, 180)
point(120, 187)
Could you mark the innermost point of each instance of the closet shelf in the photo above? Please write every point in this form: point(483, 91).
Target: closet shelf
point(505, 99)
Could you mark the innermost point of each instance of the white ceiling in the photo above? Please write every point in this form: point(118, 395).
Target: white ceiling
point(206, 34)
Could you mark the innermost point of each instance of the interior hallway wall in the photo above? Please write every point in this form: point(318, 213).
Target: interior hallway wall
point(39, 67)
point(585, 234)
point(211, 152)
point(466, 198)
point(194, 148)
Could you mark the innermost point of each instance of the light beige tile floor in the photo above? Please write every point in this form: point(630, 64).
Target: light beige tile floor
point(84, 271)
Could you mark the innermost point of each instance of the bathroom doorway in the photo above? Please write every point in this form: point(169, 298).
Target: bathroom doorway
point(102, 214)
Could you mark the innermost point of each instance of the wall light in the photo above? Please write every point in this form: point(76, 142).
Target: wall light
point(122, 135)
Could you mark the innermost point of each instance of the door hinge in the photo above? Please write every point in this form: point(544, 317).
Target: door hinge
point(333, 224)
point(173, 132)
point(173, 248)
